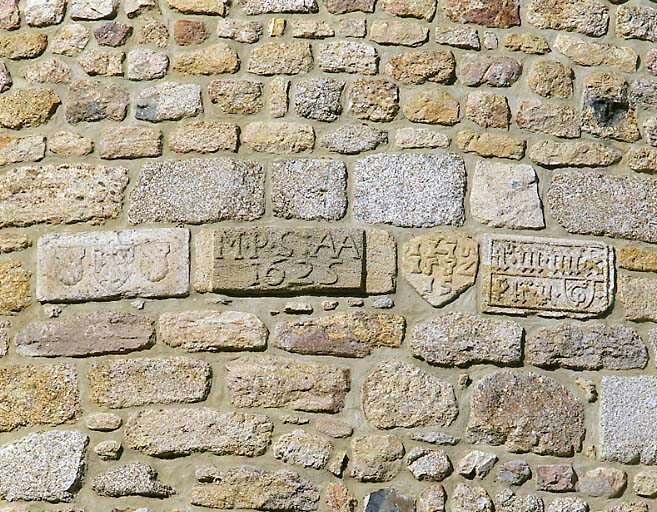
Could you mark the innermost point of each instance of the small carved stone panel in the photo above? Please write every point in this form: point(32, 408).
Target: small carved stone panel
point(546, 276)
point(440, 266)
point(275, 260)
point(111, 264)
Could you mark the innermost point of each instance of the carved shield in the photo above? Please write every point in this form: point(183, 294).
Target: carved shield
point(113, 266)
point(152, 260)
point(68, 264)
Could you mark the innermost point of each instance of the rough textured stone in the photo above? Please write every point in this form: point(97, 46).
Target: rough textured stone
point(310, 29)
point(642, 160)
point(70, 40)
point(376, 458)
point(187, 32)
point(102, 62)
point(346, 6)
point(21, 149)
point(432, 499)
point(93, 100)
point(469, 498)
point(589, 53)
point(352, 139)
point(42, 13)
point(14, 241)
point(568, 505)
point(146, 64)
point(373, 100)
point(129, 142)
point(419, 67)
point(112, 33)
point(581, 153)
point(589, 17)
point(615, 206)
point(548, 118)
point(555, 477)
point(209, 60)
point(603, 482)
point(204, 137)
point(134, 479)
point(432, 107)
point(43, 466)
point(279, 137)
point(526, 43)
point(388, 499)
point(269, 381)
point(211, 7)
point(85, 334)
point(491, 144)
point(169, 101)
point(279, 6)
point(338, 498)
point(197, 191)
point(108, 450)
point(247, 487)
point(488, 109)
point(551, 79)
point(410, 190)
point(638, 298)
point(477, 464)
point(458, 37)
point(634, 258)
point(287, 58)
point(422, 9)
point(381, 262)
point(507, 501)
point(319, 99)
point(69, 144)
point(402, 33)
point(104, 422)
point(303, 449)
point(181, 431)
point(498, 71)
point(429, 464)
point(636, 22)
point(645, 483)
point(348, 57)
point(10, 17)
point(398, 394)
point(150, 30)
point(491, 13)
point(26, 45)
point(420, 138)
point(514, 472)
point(242, 31)
point(93, 9)
point(27, 108)
point(47, 70)
point(643, 94)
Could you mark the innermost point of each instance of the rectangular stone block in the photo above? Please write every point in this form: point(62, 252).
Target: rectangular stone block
point(546, 276)
point(277, 260)
point(74, 267)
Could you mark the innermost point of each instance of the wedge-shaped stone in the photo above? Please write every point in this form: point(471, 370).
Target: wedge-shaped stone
point(43, 466)
point(586, 347)
point(34, 395)
point(118, 383)
point(340, 334)
point(86, 334)
point(64, 193)
point(463, 339)
point(526, 412)
point(275, 260)
point(589, 17)
point(198, 191)
point(268, 381)
point(177, 432)
point(546, 276)
point(398, 394)
point(248, 487)
point(212, 331)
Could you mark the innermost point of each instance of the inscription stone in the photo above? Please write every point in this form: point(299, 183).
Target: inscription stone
point(441, 265)
point(270, 260)
point(75, 267)
point(546, 276)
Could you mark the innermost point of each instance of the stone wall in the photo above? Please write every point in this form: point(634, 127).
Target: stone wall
point(332, 255)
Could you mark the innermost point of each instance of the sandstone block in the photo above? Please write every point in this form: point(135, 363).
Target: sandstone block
point(589, 17)
point(22, 149)
point(580, 153)
point(376, 458)
point(491, 144)
point(216, 59)
point(287, 58)
point(432, 107)
point(348, 57)
point(129, 142)
point(551, 79)
point(412, 68)
point(638, 298)
point(496, 71)
point(488, 110)
point(303, 449)
point(402, 33)
point(526, 43)
point(589, 53)
point(552, 119)
point(27, 108)
point(279, 137)
point(23, 45)
point(208, 7)
point(169, 101)
point(204, 137)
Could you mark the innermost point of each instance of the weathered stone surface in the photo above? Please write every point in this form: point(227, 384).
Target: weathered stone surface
point(638, 298)
point(491, 13)
point(134, 479)
point(93, 9)
point(589, 17)
point(381, 262)
point(458, 37)
point(603, 482)
point(27, 108)
point(497, 71)
point(10, 17)
point(549, 118)
point(43, 466)
point(419, 67)
point(568, 505)
point(432, 499)
point(93, 100)
point(352, 139)
point(129, 142)
point(429, 464)
point(248, 487)
point(398, 394)
point(69, 144)
point(150, 30)
point(210, 7)
point(21, 149)
point(104, 422)
point(506, 195)
point(70, 40)
point(463, 339)
point(287, 58)
point(440, 266)
point(169, 101)
point(477, 464)
point(345, 6)
point(590, 53)
point(488, 109)
point(181, 431)
point(37, 395)
point(47, 70)
point(388, 499)
point(109, 449)
point(303, 449)
point(268, 381)
point(279, 137)
point(348, 57)
point(112, 33)
point(310, 29)
point(645, 483)
point(119, 383)
point(65, 194)
point(420, 138)
point(338, 498)
point(210, 60)
point(551, 79)
point(146, 64)
point(642, 160)
point(546, 276)
point(636, 22)
point(42, 13)
point(204, 136)
point(12, 241)
point(643, 94)
point(514, 472)
point(511, 408)
point(75, 267)
point(410, 190)
point(470, 498)
point(432, 106)
point(197, 191)
point(376, 458)
point(319, 98)
point(597, 204)
point(491, 144)
point(555, 477)
point(102, 62)
point(423, 9)
point(526, 43)
point(85, 334)
point(187, 32)
point(581, 153)
point(341, 334)
point(634, 258)
point(586, 347)
point(402, 33)
point(279, 101)
point(507, 501)
point(253, 7)
point(373, 100)
point(25, 45)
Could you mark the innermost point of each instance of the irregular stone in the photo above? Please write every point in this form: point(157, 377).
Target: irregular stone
point(507, 501)
point(636, 22)
point(642, 160)
point(310, 29)
point(43, 466)
point(27, 108)
point(204, 137)
point(592, 347)
point(435, 437)
point(102, 62)
point(589, 17)
point(319, 98)
point(488, 109)
point(14, 287)
point(630, 506)
point(22, 149)
point(236, 96)
point(210, 60)
point(381, 263)
point(47, 70)
point(211, 7)
point(74, 267)
point(590, 53)
point(603, 482)
point(24, 45)
point(373, 99)
point(477, 464)
point(181, 431)
point(388, 499)
point(645, 483)
point(239, 30)
point(85, 334)
point(420, 67)
point(490, 13)
point(637, 296)
point(248, 487)
point(279, 103)
point(10, 17)
point(432, 499)
point(134, 479)
point(146, 64)
point(70, 40)
point(14, 241)
point(5, 78)
point(469, 498)
point(346, 6)
point(651, 61)
point(418, 138)
point(376, 458)
point(458, 37)
point(120, 383)
point(429, 464)
point(334, 428)
point(410, 190)
point(93, 9)
point(498, 71)
point(433, 107)
point(555, 477)
point(551, 79)
point(93, 100)
point(129, 142)
point(253, 7)
point(552, 119)
point(643, 93)
point(581, 153)
point(338, 498)
point(526, 43)
point(169, 101)
point(348, 57)
point(65, 194)
point(286, 58)
point(509, 407)
point(70, 144)
point(352, 139)
point(42, 13)
point(104, 422)
point(279, 137)
point(108, 450)
point(633, 258)
point(112, 33)
point(398, 394)
point(303, 449)
point(268, 381)
point(593, 203)
point(402, 33)
point(187, 32)
point(568, 505)
point(514, 472)
point(335, 255)
point(151, 30)
point(422, 9)
point(489, 144)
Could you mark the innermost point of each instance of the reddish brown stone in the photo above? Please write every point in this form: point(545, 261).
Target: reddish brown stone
point(187, 32)
point(491, 13)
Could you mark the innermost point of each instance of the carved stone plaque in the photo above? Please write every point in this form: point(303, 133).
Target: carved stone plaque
point(112, 264)
point(546, 276)
point(275, 260)
point(441, 265)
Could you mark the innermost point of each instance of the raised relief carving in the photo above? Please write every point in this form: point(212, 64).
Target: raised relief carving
point(441, 265)
point(546, 276)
